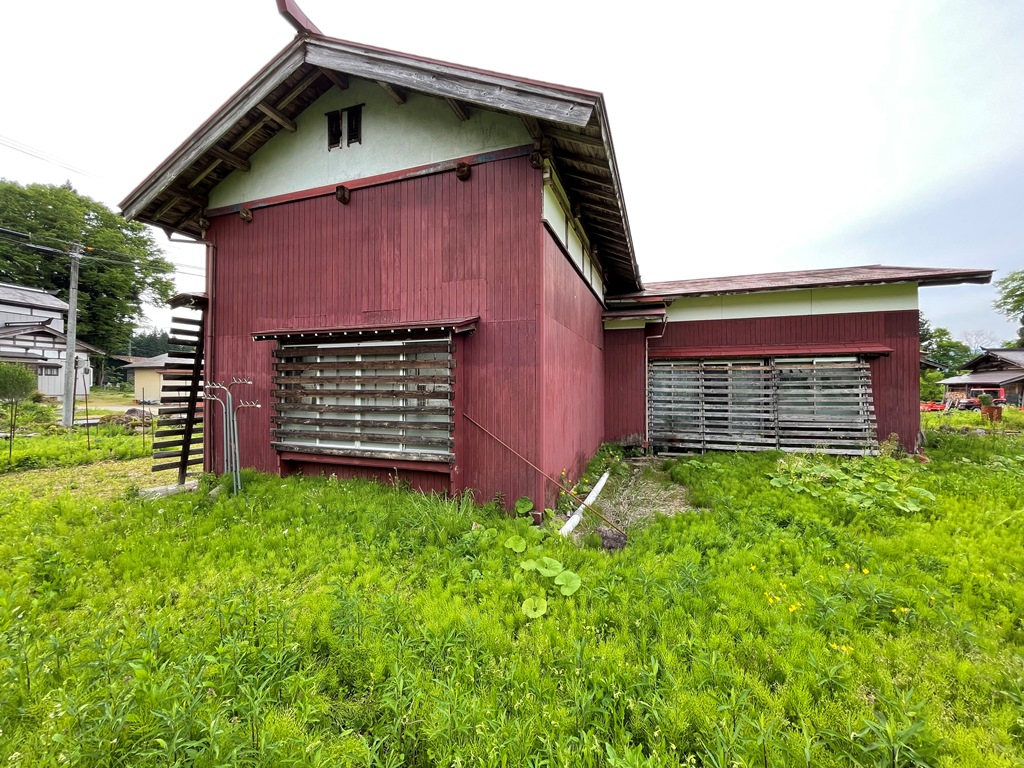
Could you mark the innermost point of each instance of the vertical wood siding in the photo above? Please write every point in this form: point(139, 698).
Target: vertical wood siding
point(427, 248)
point(894, 377)
point(572, 370)
point(625, 386)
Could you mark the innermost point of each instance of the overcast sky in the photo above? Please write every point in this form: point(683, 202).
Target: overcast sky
point(750, 136)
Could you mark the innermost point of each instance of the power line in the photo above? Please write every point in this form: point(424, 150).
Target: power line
point(25, 149)
point(187, 270)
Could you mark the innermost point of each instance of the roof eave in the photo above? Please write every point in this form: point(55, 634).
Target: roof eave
point(206, 135)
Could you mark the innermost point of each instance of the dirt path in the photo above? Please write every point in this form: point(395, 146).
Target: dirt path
point(632, 498)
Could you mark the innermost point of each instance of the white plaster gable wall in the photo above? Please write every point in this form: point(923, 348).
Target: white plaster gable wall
point(814, 301)
point(11, 313)
point(395, 137)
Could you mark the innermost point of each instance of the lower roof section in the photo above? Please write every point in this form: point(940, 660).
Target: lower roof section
point(989, 378)
point(873, 274)
point(359, 332)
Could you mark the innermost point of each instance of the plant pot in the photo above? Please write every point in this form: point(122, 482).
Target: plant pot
point(992, 412)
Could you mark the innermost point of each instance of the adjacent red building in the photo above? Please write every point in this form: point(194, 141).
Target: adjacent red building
point(428, 274)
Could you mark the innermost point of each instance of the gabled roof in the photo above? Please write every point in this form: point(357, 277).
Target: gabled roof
point(1013, 358)
point(874, 274)
point(569, 126)
point(30, 297)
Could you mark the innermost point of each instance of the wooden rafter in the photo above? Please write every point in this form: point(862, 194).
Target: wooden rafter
point(533, 127)
point(587, 178)
point(230, 158)
point(461, 110)
point(166, 207)
point(277, 117)
point(339, 79)
point(587, 162)
point(571, 136)
point(187, 196)
point(195, 182)
point(287, 99)
point(393, 91)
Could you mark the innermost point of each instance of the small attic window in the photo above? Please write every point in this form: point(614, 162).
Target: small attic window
point(345, 127)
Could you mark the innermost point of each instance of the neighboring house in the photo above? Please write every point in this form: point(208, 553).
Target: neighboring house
point(32, 333)
point(146, 374)
point(427, 272)
point(993, 369)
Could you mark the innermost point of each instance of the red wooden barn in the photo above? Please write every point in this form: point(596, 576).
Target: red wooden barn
point(427, 272)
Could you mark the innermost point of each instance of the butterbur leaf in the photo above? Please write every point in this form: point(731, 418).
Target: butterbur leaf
point(568, 581)
point(549, 567)
point(528, 565)
point(524, 505)
point(516, 543)
point(535, 607)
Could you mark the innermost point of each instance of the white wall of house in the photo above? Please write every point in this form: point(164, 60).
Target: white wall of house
point(395, 137)
point(813, 301)
point(13, 314)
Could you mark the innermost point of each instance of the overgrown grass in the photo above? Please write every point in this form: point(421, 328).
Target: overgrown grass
point(806, 614)
point(1012, 421)
point(72, 447)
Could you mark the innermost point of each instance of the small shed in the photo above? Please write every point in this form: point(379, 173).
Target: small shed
point(147, 376)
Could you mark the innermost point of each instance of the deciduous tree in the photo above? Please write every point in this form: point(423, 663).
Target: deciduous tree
point(16, 383)
point(122, 269)
point(1010, 300)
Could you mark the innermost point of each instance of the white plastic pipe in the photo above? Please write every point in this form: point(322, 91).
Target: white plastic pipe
point(573, 521)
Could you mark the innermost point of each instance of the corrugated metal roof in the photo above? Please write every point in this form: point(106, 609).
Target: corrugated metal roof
point(30, 297)
point(874, 274)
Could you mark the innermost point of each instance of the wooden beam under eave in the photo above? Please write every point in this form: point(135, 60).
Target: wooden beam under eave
point(186, 195)
point(199, 177)
point(277, 117)
point(230, 158)
point(461, 110)
point(586, 178)
point(287, 99)
point(300, 88)
point(163, 209)
point(533, 128)
point(394, 92)
point(588, 162)
point(571, 136)
point(339, 79)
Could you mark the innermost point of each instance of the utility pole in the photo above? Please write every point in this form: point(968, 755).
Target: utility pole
point(68, 411)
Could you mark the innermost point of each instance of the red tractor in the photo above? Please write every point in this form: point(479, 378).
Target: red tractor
point(972, 403)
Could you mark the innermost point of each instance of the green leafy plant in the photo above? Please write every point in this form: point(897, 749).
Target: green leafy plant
point(534, 607)
point(17, 383)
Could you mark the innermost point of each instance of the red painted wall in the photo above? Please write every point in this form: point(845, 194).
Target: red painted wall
point(427, 248)
point(572, 370)
point(894, 377)
point(625, 386)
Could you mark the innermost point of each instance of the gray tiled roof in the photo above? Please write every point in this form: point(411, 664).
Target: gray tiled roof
point(30, 297)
